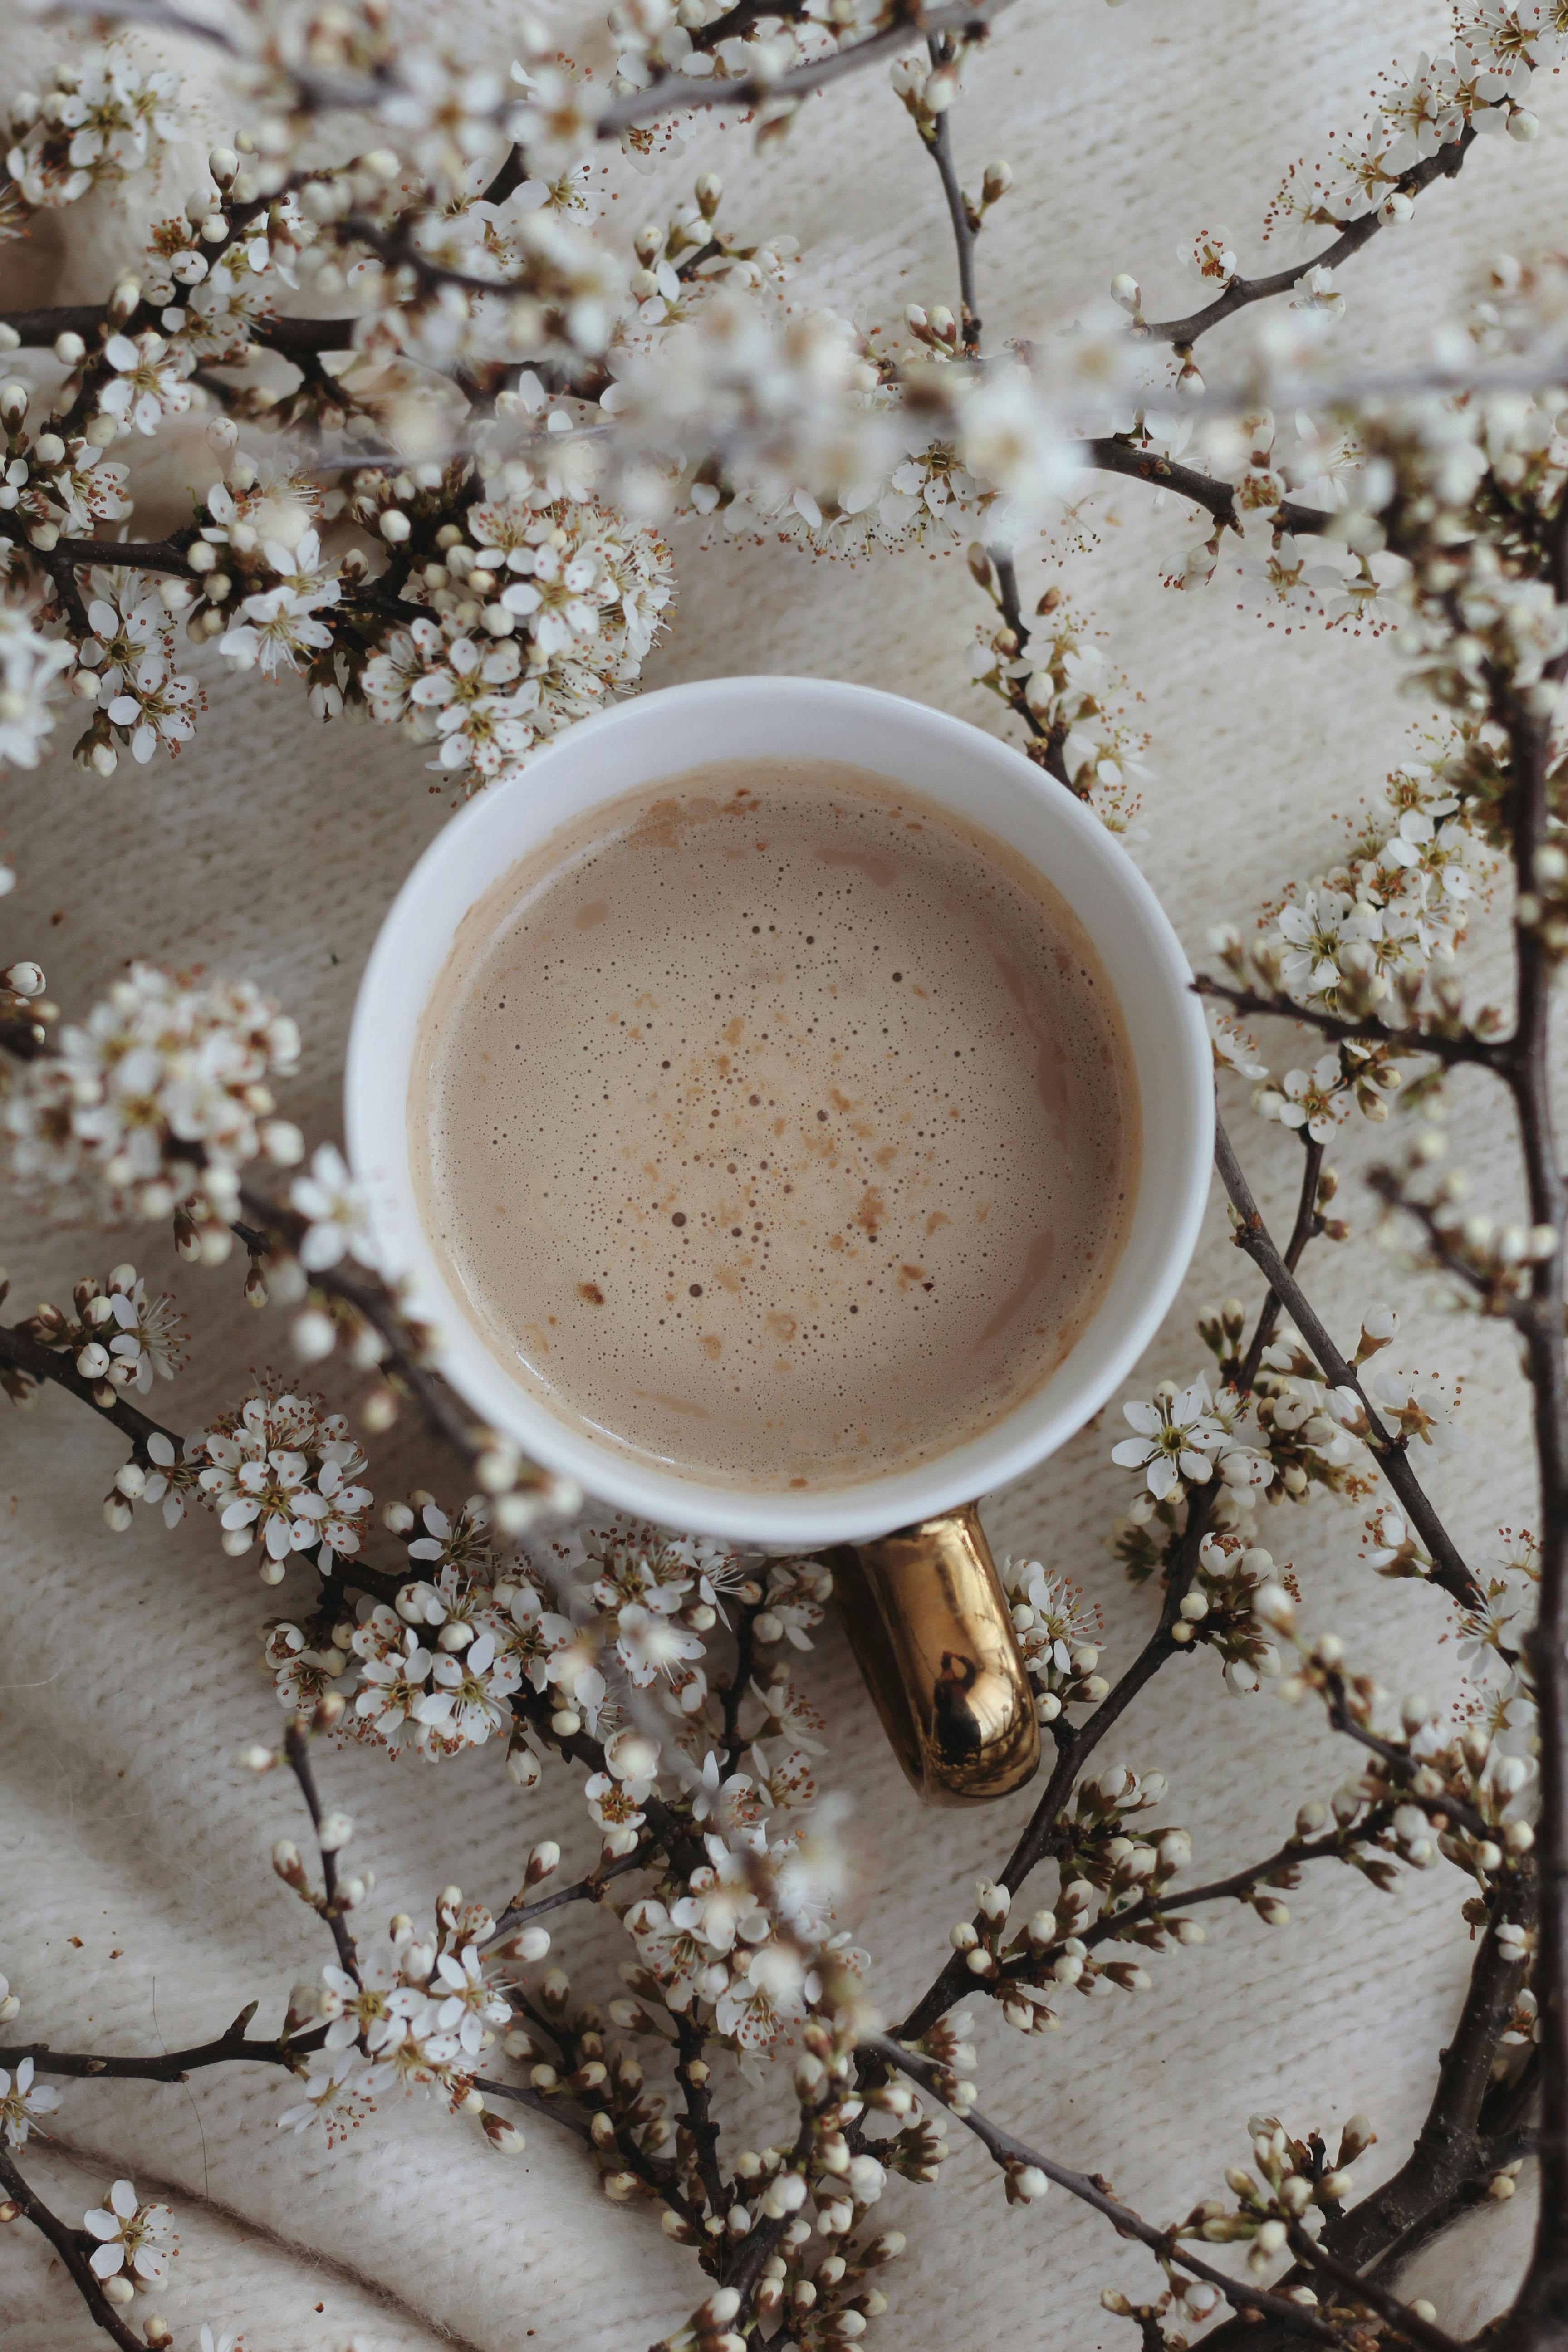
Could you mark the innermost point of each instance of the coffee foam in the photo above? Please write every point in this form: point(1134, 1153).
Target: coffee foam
point(775, 1126)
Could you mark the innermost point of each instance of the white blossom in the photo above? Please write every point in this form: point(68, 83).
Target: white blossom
point(132, 2237)
point(154, 1098)
point(23, 2101)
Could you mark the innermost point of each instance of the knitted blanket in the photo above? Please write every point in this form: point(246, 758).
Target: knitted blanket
point(137, 1908)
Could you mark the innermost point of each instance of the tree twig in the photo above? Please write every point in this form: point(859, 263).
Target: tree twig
point(674, 92)
point(1010, 2152)
point(940, 148)
point(1448, 1567)
point(230, 2048)
point(1492, 1054)
point(59, 1366)
point(68, 2245)
point(1111, 455)
point(1242, 292)
point(297, 1752)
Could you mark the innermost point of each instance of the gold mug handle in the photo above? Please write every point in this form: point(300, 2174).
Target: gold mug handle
point(932, 1634)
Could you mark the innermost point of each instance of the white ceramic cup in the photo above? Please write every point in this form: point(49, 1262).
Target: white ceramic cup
point(660, 735)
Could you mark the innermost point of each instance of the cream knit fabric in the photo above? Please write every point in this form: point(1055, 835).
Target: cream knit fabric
point(137, 1909)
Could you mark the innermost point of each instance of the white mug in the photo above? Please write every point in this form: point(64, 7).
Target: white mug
point(921, 1588)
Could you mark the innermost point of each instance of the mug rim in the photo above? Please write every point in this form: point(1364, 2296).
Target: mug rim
point(377, 1134)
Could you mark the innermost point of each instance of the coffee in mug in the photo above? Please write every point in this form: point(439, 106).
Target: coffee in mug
point(777, 1125)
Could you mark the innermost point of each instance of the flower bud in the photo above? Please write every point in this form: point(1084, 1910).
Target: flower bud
point(1126, 291)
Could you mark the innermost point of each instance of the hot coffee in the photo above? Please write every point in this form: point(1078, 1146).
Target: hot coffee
point(775, 1126)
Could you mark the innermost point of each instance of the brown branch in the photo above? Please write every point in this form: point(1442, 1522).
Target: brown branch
point(68, 2245)
point(58, 1366)
point(939, 146)
point(1015, 690)
point(148, 555)
point(765, 2235)
point(1495, 1292)
point(1492, 1054)
point(583, 1890)
point(1242, 292)
point(297, 1752)
point(1041, 1833)
point(673, 92)
point(734, 1695)
point(1316, 2258)
point(1009, 2153)
point(1112, 455)
point(690, 2041)
point(1449, 1568)
point(1456, 2150)
point(278, 1227)
point(1541, 2312)
point(171, 2066)
point(1307, 1223)
point(1112, 1926)
point(523, 2094)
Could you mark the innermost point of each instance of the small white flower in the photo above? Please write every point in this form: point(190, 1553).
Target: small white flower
point(131, 2236)
point(1177, 1438)
point(335, 1206)
point(23, 2101)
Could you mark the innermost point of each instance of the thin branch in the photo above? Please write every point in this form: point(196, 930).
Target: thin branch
point(67, 2243)
point(1453, 2157)
point(230, 2048)
point(734, 1695)
point(690, 2041)
point(171, 554)
point(940, 148)
point(59, 1366)
point(674, 92)
point(277, 1226)
point(1400, 1762)
point(1015, 689)
point(583, 1890)
point(1242, 292)
point(1307, 1223)
point(1111, 455)
point(1449, 1568)
point(1542, 2309)
point(297, 1750)
point(1312, 2257)
point(1492, 1053)
point(1495, 1292)
point(523, 2094)
point(1010, 2152)
point(1112, 1926)
point(1041, 1832)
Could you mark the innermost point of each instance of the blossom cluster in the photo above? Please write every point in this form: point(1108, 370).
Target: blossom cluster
point(156, 1101)
point(421, 2017)
point(117, 1336)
